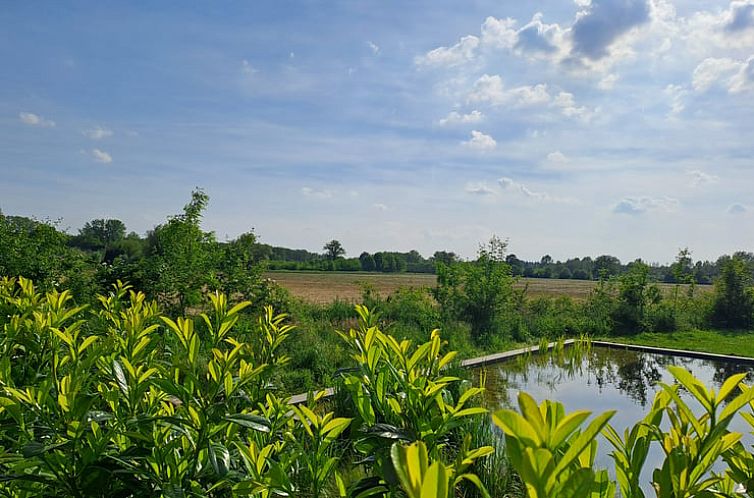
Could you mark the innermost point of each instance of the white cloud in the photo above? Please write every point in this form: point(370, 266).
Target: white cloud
point(97, 133)
point(379, 206)
point(712, 71)
point(455, 117)
point(676, 95)
point(490, 89)
point(460, 53)
point(499, 33)
point(640, 205)
point(566, 103)
point(247, 68)
point(511, 185)
point(731, 75)
point(374, 47)
point(479, 188)
point(101, 156)
point(607, 82)
point(698, 178)
point(480, 142)
point(538, 39)
point(557, 157)
point(32, 119)
point(316, 193)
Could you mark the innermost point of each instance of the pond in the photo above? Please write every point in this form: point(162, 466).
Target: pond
point(600, 379)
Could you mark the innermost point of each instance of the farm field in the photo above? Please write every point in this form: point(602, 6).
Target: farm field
point(325, 287)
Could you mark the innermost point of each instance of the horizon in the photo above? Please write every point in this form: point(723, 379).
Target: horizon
point(618, 127)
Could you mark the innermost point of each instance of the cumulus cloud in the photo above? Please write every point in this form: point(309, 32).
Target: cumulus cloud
point(379, 206)
point(480, 142)
point(97, 133)
point(460, 53)
point(639, 205)
point(479, 188)
point(557, 157)
point(602, 22)
point(737, 209)
point(538, 37)
point(31, 119)
point(490, 89)
point(729, 74)
point(740, 16)
point(510, 185)
point(374, 47)
point(456, 118)
point(499, 33)
point(566, 103)
point(101, 156)
point(698, 178)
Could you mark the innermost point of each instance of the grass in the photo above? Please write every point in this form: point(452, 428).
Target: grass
point(326, 287)
point(738, 343)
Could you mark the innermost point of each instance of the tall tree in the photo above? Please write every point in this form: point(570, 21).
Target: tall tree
point(334, 250)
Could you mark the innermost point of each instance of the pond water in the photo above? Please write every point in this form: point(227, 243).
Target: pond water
point(600, 379)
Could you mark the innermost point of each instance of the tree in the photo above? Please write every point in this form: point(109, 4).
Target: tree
point(445, 257)
point(636, 294)
point(477, 292)
point(733, 305)
point(606, 265)
point(334, 250)
point(367, 261)
point(100, 234)
point(181, 257)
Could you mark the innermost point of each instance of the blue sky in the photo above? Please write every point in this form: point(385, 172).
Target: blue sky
point(571, 128)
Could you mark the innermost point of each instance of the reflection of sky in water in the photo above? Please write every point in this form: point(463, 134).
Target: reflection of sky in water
point(606, 379)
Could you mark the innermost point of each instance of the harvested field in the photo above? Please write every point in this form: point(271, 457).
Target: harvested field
point(325, 287)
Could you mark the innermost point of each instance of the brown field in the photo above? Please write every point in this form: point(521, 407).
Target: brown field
point(325, 287)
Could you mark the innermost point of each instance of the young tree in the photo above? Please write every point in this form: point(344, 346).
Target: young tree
point(334, 250)
point(181, 257)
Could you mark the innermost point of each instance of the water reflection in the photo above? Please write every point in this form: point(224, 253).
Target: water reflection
point(600, 379)
point(633, 374)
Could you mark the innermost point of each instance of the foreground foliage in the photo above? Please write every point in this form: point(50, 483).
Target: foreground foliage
point(117, 399)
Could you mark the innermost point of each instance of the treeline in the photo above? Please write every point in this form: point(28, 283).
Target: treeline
point(174, 263)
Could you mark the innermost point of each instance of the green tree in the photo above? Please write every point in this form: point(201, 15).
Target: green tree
point(33, 249)
point(334, 250)
point(367, 261)
point(610, 265)
point(100, 234)
point(181, 257)
point(636, 294)
point(733, 305)
point(479, 291)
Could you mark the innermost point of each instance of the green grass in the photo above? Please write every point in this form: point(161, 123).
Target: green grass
point(739, 343)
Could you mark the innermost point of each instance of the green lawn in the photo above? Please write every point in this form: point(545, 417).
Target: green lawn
point(739, 343)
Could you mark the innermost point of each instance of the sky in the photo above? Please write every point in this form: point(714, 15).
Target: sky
point(571, 128)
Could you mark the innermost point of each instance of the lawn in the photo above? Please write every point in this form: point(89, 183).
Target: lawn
point(738, 343)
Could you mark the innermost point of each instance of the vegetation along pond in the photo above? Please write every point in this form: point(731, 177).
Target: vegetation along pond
point(600, 378)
